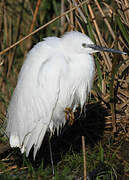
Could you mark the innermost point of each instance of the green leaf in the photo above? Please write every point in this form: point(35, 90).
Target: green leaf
point(123, 28)
point(101, 153)
point(89, 25)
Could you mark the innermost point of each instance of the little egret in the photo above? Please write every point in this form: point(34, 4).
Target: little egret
point(56, 75)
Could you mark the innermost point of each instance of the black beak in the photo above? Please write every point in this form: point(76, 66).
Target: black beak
point(99, 48)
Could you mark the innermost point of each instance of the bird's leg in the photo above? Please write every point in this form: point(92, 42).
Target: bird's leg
point(69, 116)
point(51, 157)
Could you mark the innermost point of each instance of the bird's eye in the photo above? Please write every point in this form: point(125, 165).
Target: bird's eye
point(84, 45)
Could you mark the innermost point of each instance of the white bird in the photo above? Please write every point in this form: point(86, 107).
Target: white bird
point(57, 73)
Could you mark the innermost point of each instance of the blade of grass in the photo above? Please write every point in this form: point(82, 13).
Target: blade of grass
point(122, 28)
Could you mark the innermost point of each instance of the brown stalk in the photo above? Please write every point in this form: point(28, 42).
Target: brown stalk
point(105, 19)
point(62, 19)
point(84, 156)
point(110, 10)
point(71, 22)
point(32, 26)
point(1, 14)
point(1, 37)
point(103, 86)
point(126, 11)
point(124, 92)
point(124, 104)
point(10, 30)
point(105, 55)
point(6, 27)
point(81, 28)
point(124, 5)
point(35, 15)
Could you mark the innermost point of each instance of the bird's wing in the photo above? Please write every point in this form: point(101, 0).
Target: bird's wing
point(33, 103)
point(49, 77)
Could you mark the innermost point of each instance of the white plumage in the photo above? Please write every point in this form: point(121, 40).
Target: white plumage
point(57, 73)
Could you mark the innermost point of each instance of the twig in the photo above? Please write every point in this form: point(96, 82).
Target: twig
point(62, 20)
point(84, 156)
point(41, 27)
point(71, 21)
point(32, 26)
point(35, 15)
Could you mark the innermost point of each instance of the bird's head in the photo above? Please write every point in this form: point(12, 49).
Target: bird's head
point(77, 42)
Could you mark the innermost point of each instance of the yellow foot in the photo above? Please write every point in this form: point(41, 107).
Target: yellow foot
point(69, 116)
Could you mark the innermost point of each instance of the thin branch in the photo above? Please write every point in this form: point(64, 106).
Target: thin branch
point(84, 156)
point(35, 15)
point(28, 44)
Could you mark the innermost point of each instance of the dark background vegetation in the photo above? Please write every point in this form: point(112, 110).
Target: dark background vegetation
point(106, 124)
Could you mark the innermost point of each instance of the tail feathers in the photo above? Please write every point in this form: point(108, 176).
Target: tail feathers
point(39, 141)
point(14, 141)
point(35, 138)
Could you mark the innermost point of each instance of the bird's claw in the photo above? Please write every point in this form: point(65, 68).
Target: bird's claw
point(69, 116)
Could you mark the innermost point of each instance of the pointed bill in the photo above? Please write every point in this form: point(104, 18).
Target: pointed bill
point(99, 48)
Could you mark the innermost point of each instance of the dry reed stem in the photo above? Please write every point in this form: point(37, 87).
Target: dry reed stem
point(124, 92)
point(32, 26)
point(71, 21)
point(78, 23)
point(124, 104)
point(110, 10)
point(35, 15)
point(41, 27)
point(62, 19)
point(10, 30)
point(80, 11)
point(126, 11)
point(84, 156)
point(1, 14)
point(124, 5)
point(105, 19)
point(6, 27)
point(105, 55)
